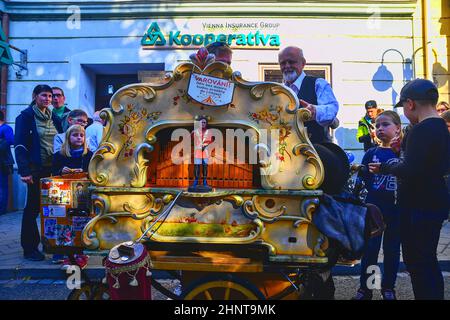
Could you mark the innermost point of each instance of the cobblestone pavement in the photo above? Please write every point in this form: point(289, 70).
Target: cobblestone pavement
point(48, 289)
point(15, 270)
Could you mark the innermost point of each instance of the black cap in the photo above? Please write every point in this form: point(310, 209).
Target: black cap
point(418, 89)
point(371, 104)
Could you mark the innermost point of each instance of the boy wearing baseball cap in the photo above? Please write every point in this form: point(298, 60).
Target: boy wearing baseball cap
point(423, 196)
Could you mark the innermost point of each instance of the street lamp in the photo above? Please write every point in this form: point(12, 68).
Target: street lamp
point(383, 78)
point(406, 65)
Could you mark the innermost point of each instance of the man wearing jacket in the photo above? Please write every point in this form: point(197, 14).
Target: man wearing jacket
point(6, 161)
point(60, 108)
point(366, 127)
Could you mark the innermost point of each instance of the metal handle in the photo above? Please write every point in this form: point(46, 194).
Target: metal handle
point(164, 214)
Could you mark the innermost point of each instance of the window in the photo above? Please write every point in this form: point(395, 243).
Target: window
point(271, 71)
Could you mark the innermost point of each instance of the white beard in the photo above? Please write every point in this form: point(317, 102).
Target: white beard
point(290, 76)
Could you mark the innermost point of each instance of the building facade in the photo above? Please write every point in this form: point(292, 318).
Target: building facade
point(365, 49)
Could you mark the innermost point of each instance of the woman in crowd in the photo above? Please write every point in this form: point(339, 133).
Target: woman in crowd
point(35, 129)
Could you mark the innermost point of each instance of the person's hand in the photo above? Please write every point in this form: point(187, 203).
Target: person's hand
point(396, 144)
point(374, 167)
point(310, 107)
point(27, 179)
point(66, 170)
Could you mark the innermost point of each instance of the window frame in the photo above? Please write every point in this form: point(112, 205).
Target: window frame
point(327, 67)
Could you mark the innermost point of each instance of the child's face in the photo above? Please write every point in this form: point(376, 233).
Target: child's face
point(77, 139)
point(441, 109)
point(81, 120)
point(386, 129)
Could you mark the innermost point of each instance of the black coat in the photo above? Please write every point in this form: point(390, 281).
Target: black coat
point(27, 145)
point(60, 161)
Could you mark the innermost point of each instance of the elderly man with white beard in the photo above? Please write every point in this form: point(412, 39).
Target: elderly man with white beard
point(315, 94)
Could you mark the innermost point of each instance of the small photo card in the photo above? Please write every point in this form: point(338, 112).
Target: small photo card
point(50, 228)
point(54, 211)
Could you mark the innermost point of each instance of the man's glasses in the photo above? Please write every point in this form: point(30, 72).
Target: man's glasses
point(81, 121)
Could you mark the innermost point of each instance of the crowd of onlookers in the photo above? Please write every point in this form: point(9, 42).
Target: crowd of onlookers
point(366, 133)
point(405, 172)
point(50, 139)
point(403, 169)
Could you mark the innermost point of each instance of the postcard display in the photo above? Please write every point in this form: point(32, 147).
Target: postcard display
point(65, 211)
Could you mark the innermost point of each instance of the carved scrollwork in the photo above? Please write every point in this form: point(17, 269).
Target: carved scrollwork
point(309, 181)
point(101, 204)
point(140, 167)
point(318, 252)
point(102, 178)
point(107, 116)
point(292, 106)
point(264, 210)
point(218, 68)
point(259, 88)
point(181, 69)
point(102, 207)
point(152, 207)
point(307, 208)
point(254, 209)
point(167, 198)
point(249, 210)
point(257, 92)
point(306, 148)
point(272, 251)
point(303, 115)
point(132, 91)
point(236, 200)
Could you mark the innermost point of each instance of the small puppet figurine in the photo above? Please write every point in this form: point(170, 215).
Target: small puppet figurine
point(202, 138)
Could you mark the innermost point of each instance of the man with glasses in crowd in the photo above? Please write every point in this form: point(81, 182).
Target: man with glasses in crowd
point(76, 116)
point(60, 108)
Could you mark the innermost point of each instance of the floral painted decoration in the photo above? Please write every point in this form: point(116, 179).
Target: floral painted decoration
point(272, 116)
point(131, 124)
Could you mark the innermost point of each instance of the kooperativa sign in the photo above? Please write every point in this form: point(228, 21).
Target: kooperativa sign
point(155, 38)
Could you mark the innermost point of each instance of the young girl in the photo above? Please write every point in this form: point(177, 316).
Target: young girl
point(74, 155)
point(382, 192)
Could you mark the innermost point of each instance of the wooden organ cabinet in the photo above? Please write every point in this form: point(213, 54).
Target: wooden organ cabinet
point(162, 172)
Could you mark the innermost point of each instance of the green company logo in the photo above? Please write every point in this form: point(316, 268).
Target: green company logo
point(154, 37)
point(5, 53)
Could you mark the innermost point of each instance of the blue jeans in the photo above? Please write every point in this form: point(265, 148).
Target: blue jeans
point(3, 192)
point(391, 251)
point(420, 232)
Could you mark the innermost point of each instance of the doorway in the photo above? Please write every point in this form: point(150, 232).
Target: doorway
point(107, 84)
